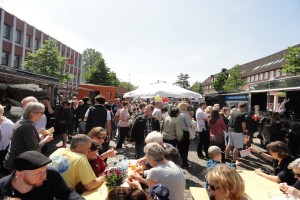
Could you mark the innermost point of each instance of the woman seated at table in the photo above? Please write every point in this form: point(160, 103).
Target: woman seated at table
point(98, 134)
point(293, 190)
point(164, 172)
point(281, 158)
point(225, 183)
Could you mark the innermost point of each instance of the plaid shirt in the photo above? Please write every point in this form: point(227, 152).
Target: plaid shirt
point(148, 127)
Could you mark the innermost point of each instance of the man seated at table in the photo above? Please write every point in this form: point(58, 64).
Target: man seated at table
point(163, 171)
point(33, 180)
point(73, 164)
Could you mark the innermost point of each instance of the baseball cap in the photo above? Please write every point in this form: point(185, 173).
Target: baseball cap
point(159, 192)
point(31, 160)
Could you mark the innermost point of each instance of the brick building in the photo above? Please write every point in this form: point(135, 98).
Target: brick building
point(18, 37)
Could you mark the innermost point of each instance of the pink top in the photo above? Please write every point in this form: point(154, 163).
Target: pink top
point(124, 117)
point(218, 127)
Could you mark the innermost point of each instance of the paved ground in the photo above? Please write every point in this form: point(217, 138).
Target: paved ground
point(195, 174)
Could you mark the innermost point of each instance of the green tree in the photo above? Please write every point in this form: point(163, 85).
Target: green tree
point(234, 80)
point(100, 74)
point(182, 81)
point(197, 87)
point(47, 61)
point(128, 86)
point(293, 61)
point(89, 58)
point(219, 82)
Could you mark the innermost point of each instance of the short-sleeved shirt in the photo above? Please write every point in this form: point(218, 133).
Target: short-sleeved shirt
point(157, 114)
point(171, 176)
point(74, 167)
point(200, 116)
point(282, 171)
point(186, 120)
point(235, 122)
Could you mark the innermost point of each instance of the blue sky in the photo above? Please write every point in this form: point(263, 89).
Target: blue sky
point(159, 39)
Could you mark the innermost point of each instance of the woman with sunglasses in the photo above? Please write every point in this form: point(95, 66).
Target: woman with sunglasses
point(293, 190)
point(279, 154)
point(98, 134)
point(225, 183)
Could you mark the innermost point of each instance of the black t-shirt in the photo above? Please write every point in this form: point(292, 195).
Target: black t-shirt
point(282, 171)
point(53, 186)
point(235, 122)
point(297, 185)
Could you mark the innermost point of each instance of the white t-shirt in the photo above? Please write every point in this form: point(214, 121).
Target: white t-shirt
point(7, 129)
point(200, 116)
point(157, 114)
point(171, 176)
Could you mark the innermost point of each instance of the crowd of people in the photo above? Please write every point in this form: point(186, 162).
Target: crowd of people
point(34, 162)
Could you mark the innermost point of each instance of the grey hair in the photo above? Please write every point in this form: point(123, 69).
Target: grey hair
point(154, 136)
point(28, 99)
point(155, 151)
point(79, 139)
point(1, 110)
point(213, 151)
point(295, 164)
point(32, 107)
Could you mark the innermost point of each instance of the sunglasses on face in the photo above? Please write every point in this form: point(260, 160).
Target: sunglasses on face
point(298, 175)
point(103, 138)
point(213, 188)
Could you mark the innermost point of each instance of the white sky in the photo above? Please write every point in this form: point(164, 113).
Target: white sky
point(159, 39)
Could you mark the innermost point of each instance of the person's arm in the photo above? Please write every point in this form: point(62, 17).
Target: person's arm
point(263, 154)
point(50, 110)
point(108, 128)
point(289, 190)
point(94, 183)
point(275, 179)
point(243, 126)
point(179, 130)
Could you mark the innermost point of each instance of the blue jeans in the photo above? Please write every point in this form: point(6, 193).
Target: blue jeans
point(139, 150)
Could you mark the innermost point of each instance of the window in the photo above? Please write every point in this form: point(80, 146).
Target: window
point(18, 37)
point(266, 75)
point(283, 74)
point(277, 74)
point(17, 61)
point(6, 31)
point(271, 74)
point(5, 58)
point(248, 79)
point(252, 78)
point(261, 76)
point(256, 77)
point(27, 44)
point(36, 44)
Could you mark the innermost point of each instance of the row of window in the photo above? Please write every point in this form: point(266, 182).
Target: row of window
point(5, 57)
point(18, 37)
point(265, 76)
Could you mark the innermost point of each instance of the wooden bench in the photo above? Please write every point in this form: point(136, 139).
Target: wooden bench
point(199, 193)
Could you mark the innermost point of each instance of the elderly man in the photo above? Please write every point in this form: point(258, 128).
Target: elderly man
point(164, 172)
point(32, 180)
point(141, 127)
point(73, 164)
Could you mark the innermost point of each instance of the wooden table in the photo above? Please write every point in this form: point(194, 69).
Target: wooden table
point(199, 193)
point(101, 192)
point(257, 187)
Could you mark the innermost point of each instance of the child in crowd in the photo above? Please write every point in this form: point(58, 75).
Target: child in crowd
point(215, 157)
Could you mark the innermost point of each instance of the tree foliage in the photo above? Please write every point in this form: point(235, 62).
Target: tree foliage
point(128, 86)
point(293, 61)
point(197, 87)
point(234, 81)
point(47, 61)
point(89, 58)
point(100, 74)
point(219, 82)
point(182, 81)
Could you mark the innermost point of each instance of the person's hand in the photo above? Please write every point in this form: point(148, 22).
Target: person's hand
point(283, 186)
point(111, 153)
point(253, 149)
point(48, 138)
point(137, 177)
point(141, 160)
point(134, 184)
point(212, 137)
point(258, 171)
point(293, 191)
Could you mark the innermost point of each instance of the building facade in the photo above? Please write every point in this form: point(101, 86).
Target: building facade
point(260, 70)
point(17, 38)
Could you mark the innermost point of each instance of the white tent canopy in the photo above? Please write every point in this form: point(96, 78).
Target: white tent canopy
point(162, 89)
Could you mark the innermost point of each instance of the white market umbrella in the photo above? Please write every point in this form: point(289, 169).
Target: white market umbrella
point(162, 89)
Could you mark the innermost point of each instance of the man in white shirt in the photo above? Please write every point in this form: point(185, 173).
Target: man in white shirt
point(202, 118)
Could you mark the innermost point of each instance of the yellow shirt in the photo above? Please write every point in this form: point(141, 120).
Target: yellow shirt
point(74, 167)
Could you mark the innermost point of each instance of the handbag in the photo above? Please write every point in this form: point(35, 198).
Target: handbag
point(217, 140)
